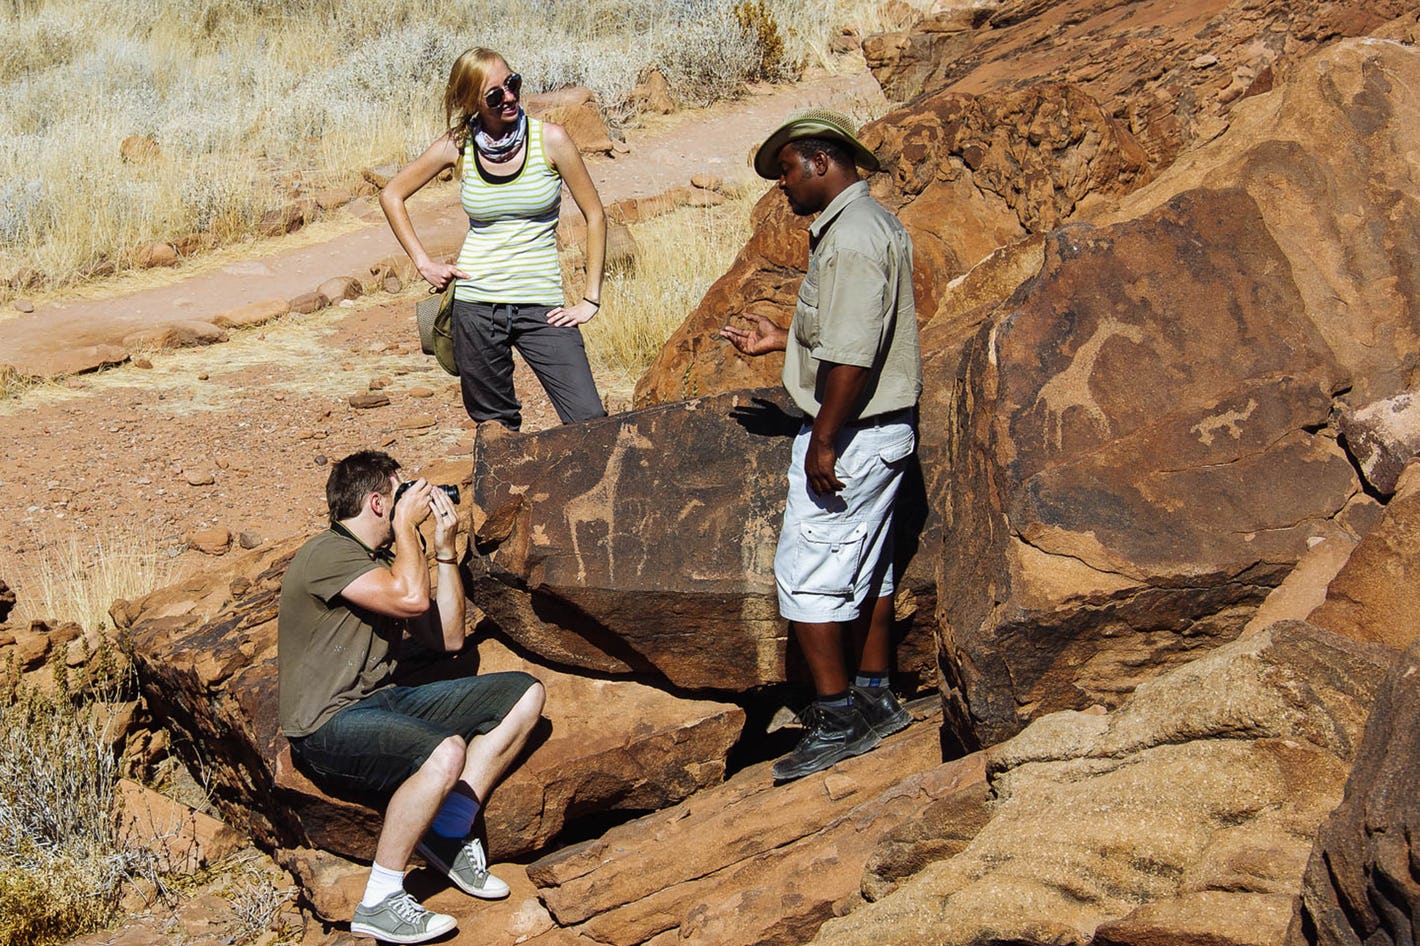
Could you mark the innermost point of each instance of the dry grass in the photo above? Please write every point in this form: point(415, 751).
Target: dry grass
point(255, 102)
point(78, 580)
point(61, 863)
point(679, 255)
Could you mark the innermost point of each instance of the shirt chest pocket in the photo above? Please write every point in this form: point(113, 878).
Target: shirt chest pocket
point(806, 323)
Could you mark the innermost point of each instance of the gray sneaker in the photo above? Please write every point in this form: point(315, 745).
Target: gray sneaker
point(464, 863)
point(882, 709)
point(399, 918)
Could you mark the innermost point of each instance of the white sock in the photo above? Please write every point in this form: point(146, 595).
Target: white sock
point(381, 884)
point(455, 817)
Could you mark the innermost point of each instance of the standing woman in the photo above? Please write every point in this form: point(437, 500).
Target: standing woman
point(509, 291)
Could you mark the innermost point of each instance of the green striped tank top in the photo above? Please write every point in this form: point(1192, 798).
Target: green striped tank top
point(510, 252)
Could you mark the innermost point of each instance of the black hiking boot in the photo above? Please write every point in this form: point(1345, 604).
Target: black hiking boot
point(835, 733)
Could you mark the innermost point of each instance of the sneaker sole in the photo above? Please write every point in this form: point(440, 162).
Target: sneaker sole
point(362, 929)
point(479, 892)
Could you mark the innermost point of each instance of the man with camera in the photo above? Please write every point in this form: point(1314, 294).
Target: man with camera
point(431, 753)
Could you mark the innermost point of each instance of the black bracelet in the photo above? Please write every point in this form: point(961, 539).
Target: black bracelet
point(595, 303)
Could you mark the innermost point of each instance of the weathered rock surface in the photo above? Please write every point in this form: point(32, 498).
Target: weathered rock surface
point(1383, 437)
point(1204, 789)
point(751, 862)
point(1130, 465)
point(645, 543)
point(207, 654)
point(1373, 598)
point(1360, 884)
point(1350, 252)
point(1170, 71)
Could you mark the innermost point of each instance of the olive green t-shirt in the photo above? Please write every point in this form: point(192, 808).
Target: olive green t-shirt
point(330, 653)
point(856, 307)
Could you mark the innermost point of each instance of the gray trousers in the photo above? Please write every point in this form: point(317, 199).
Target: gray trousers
point(485, 335)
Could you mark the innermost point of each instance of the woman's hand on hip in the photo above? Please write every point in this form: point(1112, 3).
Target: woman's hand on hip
point(571, 315)
point(439, 275)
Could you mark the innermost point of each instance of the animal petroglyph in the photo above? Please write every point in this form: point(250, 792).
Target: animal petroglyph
point(595, 505)
point(1231, 421)
point(1071, 387)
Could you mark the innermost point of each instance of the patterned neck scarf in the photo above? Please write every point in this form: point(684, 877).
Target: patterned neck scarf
point(495, 149)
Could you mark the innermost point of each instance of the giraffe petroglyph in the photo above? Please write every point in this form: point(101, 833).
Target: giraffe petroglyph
point(1071, 387)
point(595, 505)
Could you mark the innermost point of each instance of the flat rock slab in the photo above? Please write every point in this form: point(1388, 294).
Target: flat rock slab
point(644, 543)
point(750, 862)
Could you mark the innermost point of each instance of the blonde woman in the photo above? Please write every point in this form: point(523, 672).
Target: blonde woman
point(509, 292)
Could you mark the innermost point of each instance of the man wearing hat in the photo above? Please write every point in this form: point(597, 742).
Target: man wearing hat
point(853, 365)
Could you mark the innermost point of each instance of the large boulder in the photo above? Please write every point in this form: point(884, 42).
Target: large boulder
point(206, 653)
point(1372, 598)
point(1261, 306)
point(1196, 800)
point(1360, 884)
point(1128, 461)
point(644, 544)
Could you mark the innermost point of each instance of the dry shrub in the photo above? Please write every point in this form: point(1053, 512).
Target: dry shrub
point(757, 20)
point(61, 864)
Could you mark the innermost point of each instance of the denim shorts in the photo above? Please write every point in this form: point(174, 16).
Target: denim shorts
point(370, 748)
point(835, 552)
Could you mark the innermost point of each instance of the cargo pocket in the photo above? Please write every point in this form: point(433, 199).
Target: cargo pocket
point(829, 557)
point(893, 454)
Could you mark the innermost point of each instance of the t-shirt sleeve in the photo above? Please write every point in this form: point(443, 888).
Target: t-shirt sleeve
point(851, 306)
point(331, 572)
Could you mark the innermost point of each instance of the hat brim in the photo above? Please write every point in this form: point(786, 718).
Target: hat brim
point(766, 159)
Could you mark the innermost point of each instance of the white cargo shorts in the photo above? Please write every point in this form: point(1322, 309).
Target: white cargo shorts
point(835, 552)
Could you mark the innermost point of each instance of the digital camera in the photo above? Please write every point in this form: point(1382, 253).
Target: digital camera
point(451, 491)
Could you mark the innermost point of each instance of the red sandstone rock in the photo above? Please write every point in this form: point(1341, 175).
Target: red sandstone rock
point(255, 313)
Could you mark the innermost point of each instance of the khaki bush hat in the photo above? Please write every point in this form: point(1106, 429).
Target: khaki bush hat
point(811, 123)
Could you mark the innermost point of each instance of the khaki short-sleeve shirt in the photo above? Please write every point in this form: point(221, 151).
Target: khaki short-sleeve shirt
point(856, 307)
point(330, 653)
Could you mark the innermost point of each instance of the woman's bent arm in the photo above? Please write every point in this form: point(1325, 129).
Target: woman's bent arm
point(568, 162)
point(440, 156)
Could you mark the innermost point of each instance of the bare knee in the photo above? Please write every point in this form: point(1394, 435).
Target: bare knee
point(447, 760)
point(532, 701)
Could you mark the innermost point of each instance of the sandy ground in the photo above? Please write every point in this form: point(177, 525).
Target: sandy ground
point(239, 436)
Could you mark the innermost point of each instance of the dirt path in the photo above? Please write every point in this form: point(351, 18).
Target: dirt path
point(238, 436)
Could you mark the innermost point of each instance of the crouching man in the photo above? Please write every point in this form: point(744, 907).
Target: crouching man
point(434, 751)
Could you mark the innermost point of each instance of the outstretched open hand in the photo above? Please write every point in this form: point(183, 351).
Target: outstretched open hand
point(762, 337)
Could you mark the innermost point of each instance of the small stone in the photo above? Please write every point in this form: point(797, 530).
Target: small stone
point(365, 402)
point(1204, 61)
point(338, 289)
point(202, 376)
point(839, 786)
point(215, 541)
point(308, 302)
point(416, 422)
point(379, 384)
point(249, 540)
point(144, 362)
point(321, 459)
point(707, 182)
point(155, 255)
point(421, 392)
point(200, 479)
point(23, 305)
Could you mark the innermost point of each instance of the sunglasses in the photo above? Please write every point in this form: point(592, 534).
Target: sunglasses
point(495, 96)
